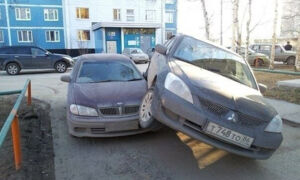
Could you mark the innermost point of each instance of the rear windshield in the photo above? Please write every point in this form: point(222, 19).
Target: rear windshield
point(215, 59)
point(105, 71)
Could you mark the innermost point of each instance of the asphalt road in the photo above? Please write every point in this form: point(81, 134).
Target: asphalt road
point(165, 154)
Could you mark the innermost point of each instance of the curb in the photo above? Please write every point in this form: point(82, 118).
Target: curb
point(277, 71)
point(291, 123)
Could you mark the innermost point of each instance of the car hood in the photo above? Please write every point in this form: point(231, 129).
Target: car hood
point(138, 55)
point(226, 92)
point(108, 94)
point(290, 52)
point(259, 54)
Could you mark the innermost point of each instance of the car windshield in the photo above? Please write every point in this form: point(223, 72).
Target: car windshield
point(136, 51)
point(105, 71)
point(215, 59)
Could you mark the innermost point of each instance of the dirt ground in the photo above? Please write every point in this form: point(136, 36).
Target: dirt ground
point(270, 79)
point(36, 142)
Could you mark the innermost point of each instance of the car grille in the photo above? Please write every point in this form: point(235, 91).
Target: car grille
point(220, 110)
point(118, 111)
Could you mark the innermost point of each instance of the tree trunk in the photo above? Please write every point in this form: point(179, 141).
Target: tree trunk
point(235, 23)
point(297, 66)
point(248, 28)
point(206, 20)
point(272, 57)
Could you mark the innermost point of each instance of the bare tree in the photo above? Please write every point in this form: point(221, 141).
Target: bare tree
point(206, 19)
point(274, 37)
point(297, 68)
point(248, 28)
point(235, 26)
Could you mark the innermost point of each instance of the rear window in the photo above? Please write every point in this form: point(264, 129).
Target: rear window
point(105, 71)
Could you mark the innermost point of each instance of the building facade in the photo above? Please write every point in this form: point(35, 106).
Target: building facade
point(170, 18)
point(111, 26)
point(32, 22)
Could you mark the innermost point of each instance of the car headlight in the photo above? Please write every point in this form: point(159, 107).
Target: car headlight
point(178, 87)
point(83, 110)
point(275, 125)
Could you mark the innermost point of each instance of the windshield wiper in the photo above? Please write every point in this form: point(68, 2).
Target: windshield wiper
point(135, 79)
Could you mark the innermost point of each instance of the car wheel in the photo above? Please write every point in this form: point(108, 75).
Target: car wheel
point(61, 67)
point(145, 115)
point(291, 61)
point(13, 69)
point(260, 62)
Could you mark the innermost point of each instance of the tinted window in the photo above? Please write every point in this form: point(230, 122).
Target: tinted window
point(255, 48)
point(265, 48)
point(136, 51)
point(94, 72)
point(22, 50)
point(6, 51)
point(277, 49)
point(37, 52)
point(215, 59)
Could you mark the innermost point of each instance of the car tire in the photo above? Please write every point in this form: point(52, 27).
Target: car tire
point(146, 120)
point(260, 62)
point(61, 67)
point(291, 60)
point(13, 69)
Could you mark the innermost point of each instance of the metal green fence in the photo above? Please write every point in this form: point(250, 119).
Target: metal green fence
point(13, 122)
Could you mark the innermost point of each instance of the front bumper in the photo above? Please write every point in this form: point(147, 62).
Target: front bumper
point(180, 115)
point(103, 127)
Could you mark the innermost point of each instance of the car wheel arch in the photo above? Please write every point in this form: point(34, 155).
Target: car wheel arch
point(12, 61)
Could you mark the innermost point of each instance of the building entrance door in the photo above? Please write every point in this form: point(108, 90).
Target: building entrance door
point(111, 46)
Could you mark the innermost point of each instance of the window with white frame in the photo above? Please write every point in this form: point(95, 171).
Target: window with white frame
point(169, 17)
point(51, 14)
point(82, 13)
point(117, 14)
point(23, 14)
point(150, 15)
point(25, 36)
point(52, 36)
point(130, 14)
point(83, 35)
point(0, 14)
point(1, 36)
point(169, 1)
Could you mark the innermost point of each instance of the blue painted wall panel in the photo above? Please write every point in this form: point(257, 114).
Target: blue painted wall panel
point(3, 16)
point(99, 41)
point(37, 18)
point(36, 2)
point(39, 39)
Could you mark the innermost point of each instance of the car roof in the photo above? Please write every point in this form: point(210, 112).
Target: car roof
point(103, 57)
point(18, 47)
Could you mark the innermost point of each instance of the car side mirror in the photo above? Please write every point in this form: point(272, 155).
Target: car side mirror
point(47, 53)
point(161, 49)
point(65, 78)
point(262, 88)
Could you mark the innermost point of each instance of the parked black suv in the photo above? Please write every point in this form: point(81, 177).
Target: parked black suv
point(15, 58)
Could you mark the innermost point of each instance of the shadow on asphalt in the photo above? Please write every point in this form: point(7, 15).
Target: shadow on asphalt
point(33, 72)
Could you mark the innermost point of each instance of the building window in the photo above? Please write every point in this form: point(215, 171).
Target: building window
point(82, 13)
point(1, 36)
point(52, 36)
point(23, 14)
point(117, 14)
point(83, 35)
point(169, 1)
point(169, 17)
point(51, 14)
point(25, 36)
point(130, 14)
point(150, 15)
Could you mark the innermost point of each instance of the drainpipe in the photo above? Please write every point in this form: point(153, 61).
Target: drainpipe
point(7, 22)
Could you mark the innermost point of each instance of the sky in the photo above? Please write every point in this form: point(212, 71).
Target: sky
point(191, 21)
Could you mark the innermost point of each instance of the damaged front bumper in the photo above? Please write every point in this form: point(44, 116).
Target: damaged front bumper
point(183, 116)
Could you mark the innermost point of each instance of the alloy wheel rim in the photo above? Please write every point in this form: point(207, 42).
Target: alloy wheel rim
point(61, 67)
point(146, 113)
point(12, 69)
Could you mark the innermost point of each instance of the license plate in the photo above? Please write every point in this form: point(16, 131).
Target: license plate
point(229, 135)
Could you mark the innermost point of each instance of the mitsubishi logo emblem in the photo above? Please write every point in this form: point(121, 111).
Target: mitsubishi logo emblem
point(231, 116)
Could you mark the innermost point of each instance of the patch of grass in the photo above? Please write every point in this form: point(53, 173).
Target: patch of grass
point(270, 79)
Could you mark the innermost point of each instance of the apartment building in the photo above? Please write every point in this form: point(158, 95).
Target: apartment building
point(32, 22)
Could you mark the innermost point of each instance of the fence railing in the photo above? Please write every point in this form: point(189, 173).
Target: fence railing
point(12, 121)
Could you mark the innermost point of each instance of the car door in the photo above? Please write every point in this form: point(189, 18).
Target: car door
point(265, 49)
point(279, 53)
point(23, 56)
point(40, 59)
